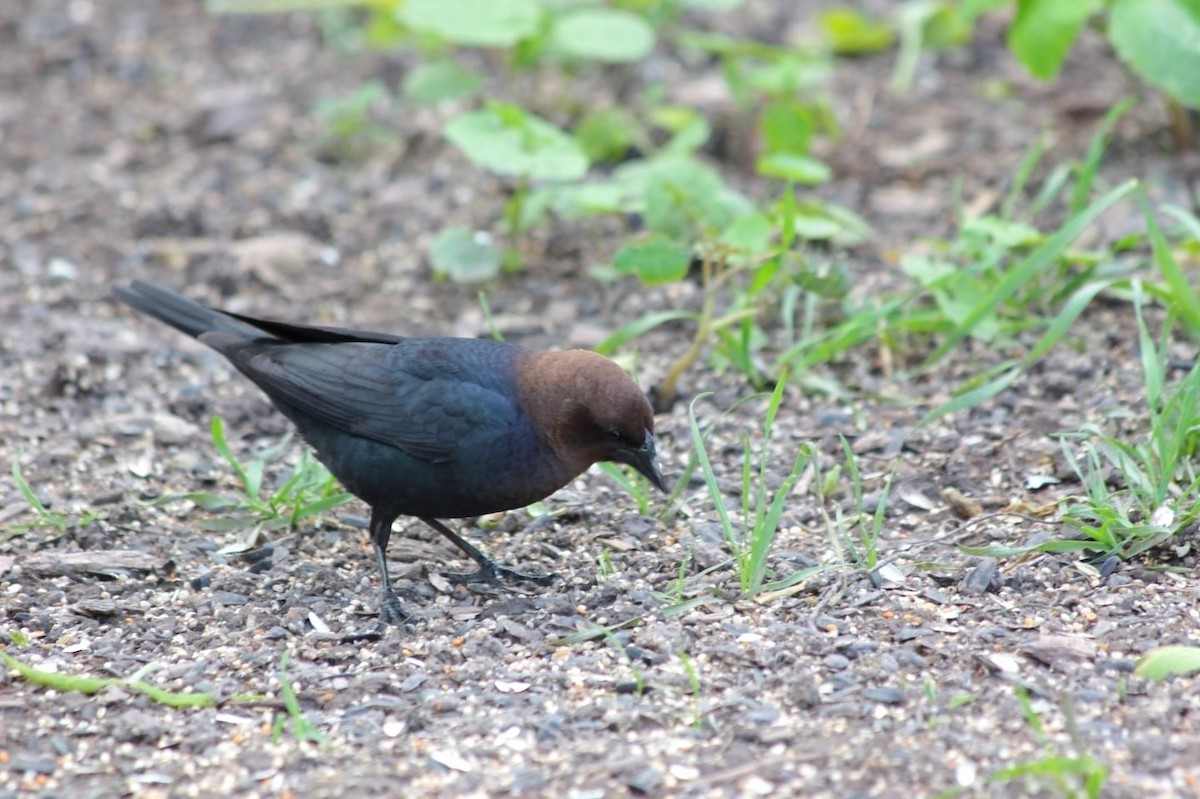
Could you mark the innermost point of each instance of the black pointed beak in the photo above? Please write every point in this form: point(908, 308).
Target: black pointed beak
point(645, 460)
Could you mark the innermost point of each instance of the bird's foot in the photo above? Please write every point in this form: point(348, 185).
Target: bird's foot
point(391, 614)
point(390, 609)
point(495, 574)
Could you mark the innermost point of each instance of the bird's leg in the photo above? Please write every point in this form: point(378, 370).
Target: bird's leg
point(390, 610)
point(489, 571)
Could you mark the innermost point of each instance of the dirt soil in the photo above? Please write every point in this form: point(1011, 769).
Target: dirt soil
point(151, 140)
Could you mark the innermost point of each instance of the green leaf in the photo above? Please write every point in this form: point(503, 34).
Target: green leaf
point(1043, 31)
point(604, 134)
point(817, 221)
point(751, 233)
point(689, 138)
point(473, 23)
point(655, 260)
point(850, 32)
point(440, 80)
point(787, 126)
point(680, 197)
point(506, 140)
point(585, 199)
point(1169, 661)
point(793, 167)
point(1160, 40)
point(602, 34)
point(459, 254)
point(788, 76)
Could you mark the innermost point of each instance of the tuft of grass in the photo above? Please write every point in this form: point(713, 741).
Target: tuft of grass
point(347, 130)
point(989, 300)
point(310, 490)
point(44, 517)
point(751, 541)
point(1077, 775)
point(695, 687)
point(1160, 493)
point(604, 566)
point(855, 538)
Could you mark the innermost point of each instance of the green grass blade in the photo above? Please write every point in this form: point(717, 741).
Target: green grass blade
point(302, 728)
point(45, 516)
point(1184, 298)
point(321, 505)
point(1091, 162)
point(1052, 186)
point(971, 398)
point(173, 698)
point(217, 428)
point(1187, 220)
point(639, 327)
point(64, 683)
point(706, 469)
point(764, 534)
point(1024, 171)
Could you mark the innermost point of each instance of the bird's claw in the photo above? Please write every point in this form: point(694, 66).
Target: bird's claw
point(495, 574)
point(391, 611)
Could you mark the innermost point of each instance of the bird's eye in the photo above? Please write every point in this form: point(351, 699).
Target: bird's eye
point(617, 437)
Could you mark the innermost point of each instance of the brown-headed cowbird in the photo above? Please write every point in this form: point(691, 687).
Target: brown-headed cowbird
point(430, 427)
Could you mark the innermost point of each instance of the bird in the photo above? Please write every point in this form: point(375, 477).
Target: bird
point(432, 428)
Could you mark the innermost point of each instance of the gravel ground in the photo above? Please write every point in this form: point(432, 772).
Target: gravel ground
point(151, 140)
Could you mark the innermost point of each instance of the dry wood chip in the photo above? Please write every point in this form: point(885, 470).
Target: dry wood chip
point(106, 562)
point(1054, 649)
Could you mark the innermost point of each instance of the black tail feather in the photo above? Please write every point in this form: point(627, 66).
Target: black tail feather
point(195, 319)
point(179, 312)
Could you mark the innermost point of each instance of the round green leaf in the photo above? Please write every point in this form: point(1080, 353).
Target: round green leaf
point(750, 234)
point(473, 23)
point(1043, 31)
point(602, 34)
point(464, 256)
point(1160, 40)
point(655, 260)
point(793, 167)
point(508, 141)
point(440, 80)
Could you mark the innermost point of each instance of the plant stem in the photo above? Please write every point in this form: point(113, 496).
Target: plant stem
point(670, 382)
